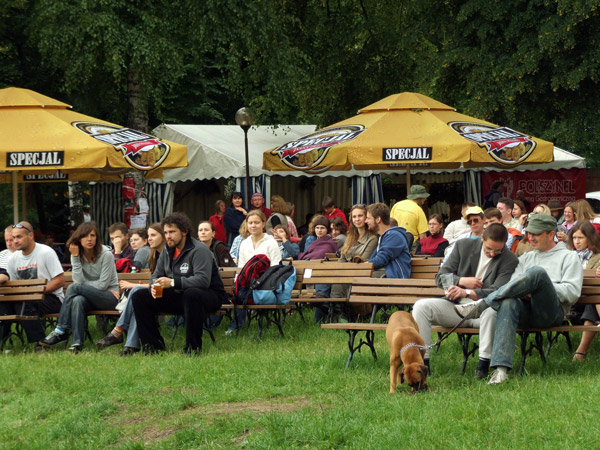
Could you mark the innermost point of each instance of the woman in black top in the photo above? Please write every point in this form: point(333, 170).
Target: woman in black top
point(206, 235)
point(234, 216)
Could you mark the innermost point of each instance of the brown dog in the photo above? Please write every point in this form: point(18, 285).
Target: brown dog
point(401, 332)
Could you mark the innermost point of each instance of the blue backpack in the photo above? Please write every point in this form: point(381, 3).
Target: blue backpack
point(274, 287)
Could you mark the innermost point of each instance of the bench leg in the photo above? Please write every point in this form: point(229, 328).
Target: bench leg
point(537, 344)
point(465, 340)
point(206, 327)
point(299, 309)
point(87, 331)
point(369, 342)
point(267, 317)
point(19, 333)
point(553, 337)
point(259, 319)
point(279, 319)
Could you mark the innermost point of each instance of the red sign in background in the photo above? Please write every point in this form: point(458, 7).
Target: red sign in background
point(540, 186)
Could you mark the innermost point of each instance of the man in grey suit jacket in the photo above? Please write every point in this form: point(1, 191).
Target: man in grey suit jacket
point(477, 268)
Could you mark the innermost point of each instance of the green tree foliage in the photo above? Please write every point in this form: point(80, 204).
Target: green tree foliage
point(119, 53)
point(529, 64)
point(532, 65)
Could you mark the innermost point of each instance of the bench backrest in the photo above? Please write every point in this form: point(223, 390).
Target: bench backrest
point(142, 277)
point(22, 290)
point(328, 272)
point(399, 291)
point(425, 268)
point(228, 275)
point(590, 291)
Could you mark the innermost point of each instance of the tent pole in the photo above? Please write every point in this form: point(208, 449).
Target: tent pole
point(15, 196)
point(24, 201)
point(408, 178)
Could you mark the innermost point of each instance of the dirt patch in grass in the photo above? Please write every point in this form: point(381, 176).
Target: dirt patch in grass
point(262, 406)
point(148, 426)
point(155, 433)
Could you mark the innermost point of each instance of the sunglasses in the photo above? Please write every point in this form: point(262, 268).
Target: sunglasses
point(360, 205)
point(20, 225)
point(470, 221)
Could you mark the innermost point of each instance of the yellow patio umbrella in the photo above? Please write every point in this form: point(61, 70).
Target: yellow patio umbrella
point(43, 139)
point(408, 129)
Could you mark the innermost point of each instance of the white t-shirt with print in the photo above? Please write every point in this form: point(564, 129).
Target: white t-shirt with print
point(42, 262)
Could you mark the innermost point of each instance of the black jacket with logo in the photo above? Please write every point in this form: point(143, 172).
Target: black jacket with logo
point(194, 267)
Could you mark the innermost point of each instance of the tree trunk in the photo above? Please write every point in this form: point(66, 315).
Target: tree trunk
point(138, 120)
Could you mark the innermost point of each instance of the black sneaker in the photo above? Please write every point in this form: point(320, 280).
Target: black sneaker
point(76, 348)
point(483, 368)
point(54, 338)
point(128, 351)
point(109, 340)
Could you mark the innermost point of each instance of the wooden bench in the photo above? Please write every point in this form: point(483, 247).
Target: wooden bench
point(590, 294)
point(380, 292)
point(406, 292)
point(326, 272)
point(142, 277)
point(20, 291)
point(265, 315)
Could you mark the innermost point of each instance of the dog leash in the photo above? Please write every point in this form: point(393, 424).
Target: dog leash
point(439, 341)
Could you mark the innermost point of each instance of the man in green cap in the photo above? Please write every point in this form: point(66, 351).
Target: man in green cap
point(409, 214)
point(542, 289)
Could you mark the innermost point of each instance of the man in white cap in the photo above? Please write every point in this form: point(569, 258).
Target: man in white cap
point(409, 214)
point(474, 218)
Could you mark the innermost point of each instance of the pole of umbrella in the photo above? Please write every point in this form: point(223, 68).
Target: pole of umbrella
point(15, 196)
point(408, 178)
point(248, 192)
point(244, 117)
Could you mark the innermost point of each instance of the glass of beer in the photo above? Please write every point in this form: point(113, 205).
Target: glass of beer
point(446, 279)
point(158, 290)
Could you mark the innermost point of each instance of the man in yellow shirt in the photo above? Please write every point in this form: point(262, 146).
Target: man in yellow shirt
point(409, 214)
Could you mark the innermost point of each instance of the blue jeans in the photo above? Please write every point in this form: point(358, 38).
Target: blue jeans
point(79, 299)
point(543, 310)
point(128, 323)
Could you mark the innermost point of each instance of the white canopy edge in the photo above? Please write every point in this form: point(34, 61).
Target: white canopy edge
point(217, 151)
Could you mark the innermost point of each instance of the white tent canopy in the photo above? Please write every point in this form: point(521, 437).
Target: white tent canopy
point(217, 151)
point(562, 160)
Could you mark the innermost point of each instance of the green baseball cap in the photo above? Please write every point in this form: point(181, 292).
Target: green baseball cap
point(538, 223)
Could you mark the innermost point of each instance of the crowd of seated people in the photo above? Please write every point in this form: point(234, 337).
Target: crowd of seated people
point(234, 234)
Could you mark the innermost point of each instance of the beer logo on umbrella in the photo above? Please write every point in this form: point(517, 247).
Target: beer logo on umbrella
point(142, 151)
point(503, 144)
point(309, 151)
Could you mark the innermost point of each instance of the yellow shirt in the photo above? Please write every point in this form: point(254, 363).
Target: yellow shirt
point(410, 216)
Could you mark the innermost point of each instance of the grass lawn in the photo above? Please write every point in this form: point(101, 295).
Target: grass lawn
point(288, 393)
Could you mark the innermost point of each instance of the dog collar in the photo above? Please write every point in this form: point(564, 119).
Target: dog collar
point(412, 344)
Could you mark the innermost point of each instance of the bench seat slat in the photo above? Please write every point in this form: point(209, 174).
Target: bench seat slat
point(17, 317)
point(22, 298)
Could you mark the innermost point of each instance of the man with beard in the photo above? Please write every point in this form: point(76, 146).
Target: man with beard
point(391, 258)
point(32, 260)
point(188, 282)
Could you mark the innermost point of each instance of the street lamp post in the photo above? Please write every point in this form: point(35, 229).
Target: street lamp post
point(245, 118)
